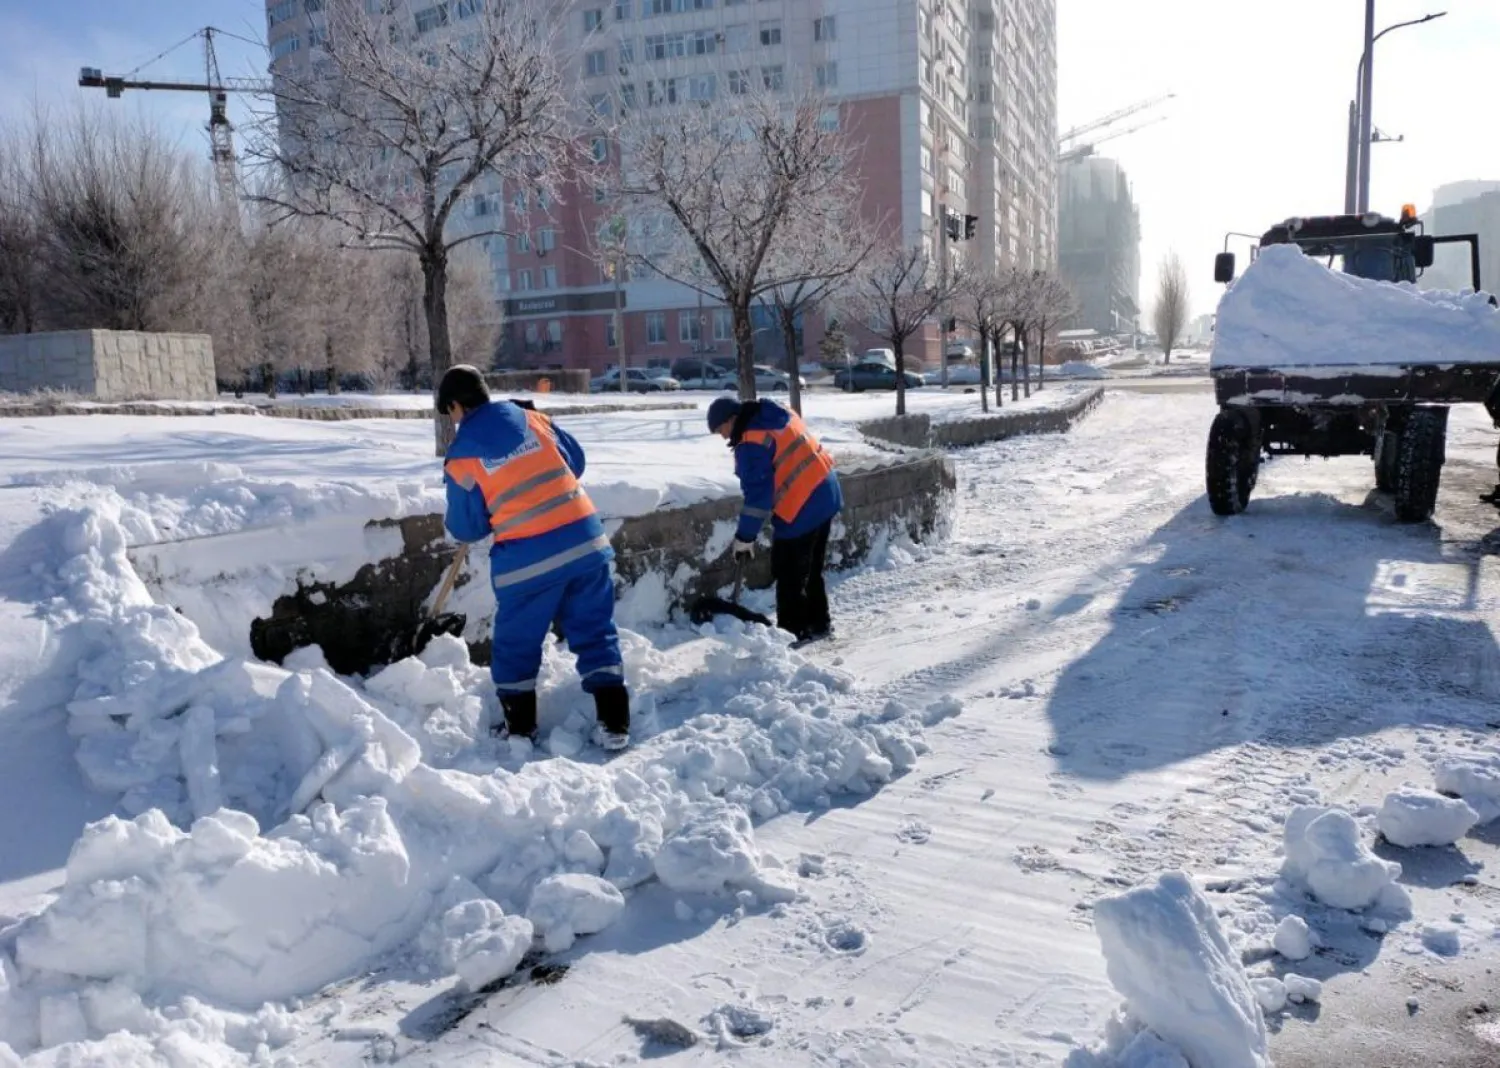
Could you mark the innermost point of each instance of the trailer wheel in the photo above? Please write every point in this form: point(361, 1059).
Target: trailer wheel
point(1233, 462)
point(1419, 464)
point(1387, 459)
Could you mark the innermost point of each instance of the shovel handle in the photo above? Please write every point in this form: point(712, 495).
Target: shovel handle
point(448, 580)
point(739, 580)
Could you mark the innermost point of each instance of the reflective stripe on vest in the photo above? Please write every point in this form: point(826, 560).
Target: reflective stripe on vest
point(530, 492)
point(799, 463)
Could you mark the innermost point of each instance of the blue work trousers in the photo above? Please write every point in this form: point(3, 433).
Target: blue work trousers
point(583, 606)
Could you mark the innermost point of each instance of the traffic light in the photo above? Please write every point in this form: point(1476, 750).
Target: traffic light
point(951, 326)
point(951, 223)
point(971, 227)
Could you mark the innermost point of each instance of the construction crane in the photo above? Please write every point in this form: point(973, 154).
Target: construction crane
point(220, 130)
point(1087, 149)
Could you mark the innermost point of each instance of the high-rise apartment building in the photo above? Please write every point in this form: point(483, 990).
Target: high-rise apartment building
point(952, 101)
point(1099, 243)
point(1465, 208)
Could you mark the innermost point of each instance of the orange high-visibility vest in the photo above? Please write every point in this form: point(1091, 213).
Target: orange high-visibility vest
point(800, 464)
point(532, 491)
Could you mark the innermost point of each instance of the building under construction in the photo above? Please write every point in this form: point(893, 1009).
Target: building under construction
point(1099, 243)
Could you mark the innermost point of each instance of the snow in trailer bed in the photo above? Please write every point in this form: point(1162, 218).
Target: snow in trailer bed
point(1289, 310)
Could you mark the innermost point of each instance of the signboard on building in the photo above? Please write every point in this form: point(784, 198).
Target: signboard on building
point(524, 307)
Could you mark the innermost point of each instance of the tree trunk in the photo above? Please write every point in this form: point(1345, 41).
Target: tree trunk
point(439, 344)
point(900, 343)
point(788, 317)
point(996, 333)
point(744, 346)
point(328, 364)
point(1041, 355)
point(984, 370)
point(268, 380)
point(1015, 362)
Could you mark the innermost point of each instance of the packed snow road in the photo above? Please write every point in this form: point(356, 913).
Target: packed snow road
point(1145, 687)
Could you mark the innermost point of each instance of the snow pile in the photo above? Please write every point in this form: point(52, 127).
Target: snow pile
point(1294, 940)
point(291, 827)
point(1288, 310)
point(1474, 778)
point(1184, 986)
point(1411, 817)
point(1326, 858)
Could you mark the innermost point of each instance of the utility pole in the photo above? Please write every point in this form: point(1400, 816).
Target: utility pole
point(1351, 169)
point(1366, 108)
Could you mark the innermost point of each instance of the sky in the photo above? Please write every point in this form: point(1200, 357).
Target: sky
point(1257, 130)
point(1255, 133)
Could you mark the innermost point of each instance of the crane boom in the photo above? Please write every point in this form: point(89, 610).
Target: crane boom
point(1114, 117)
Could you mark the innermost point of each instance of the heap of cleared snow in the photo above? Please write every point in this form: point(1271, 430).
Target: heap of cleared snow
point(1288, 310)
point(1410, 817)
point(1476, 779)
point(1294, 940)
point(1183, 983)
point(294, 826)
point(1327, 858)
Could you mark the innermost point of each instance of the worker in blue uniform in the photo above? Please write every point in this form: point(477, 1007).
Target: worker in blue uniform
point(512, 475)
point(786, 477)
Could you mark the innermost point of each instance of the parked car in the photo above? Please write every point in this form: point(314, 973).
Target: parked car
point(863, 376)
point(770, 380)
point(693, 372)
point(637, 380)
point(962, 374)
point(881, 356)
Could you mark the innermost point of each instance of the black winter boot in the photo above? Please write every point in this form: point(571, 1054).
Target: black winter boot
point(520, 716)
point(612, 706)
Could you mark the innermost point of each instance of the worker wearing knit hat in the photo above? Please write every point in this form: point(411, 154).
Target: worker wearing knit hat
point(785, 477)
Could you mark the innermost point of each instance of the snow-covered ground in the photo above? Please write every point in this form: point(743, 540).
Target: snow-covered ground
point(886, 850)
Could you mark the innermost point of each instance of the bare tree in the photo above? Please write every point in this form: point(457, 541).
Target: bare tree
point(390, 136)
point(1054, 304)
point(711, 189)
point(980, 304)
point(814, 262)
point(1170, 315)
point(1016, 309)
point(20, 241)
point(898, 289)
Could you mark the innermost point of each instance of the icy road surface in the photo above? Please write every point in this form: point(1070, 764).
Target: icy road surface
point(1146, 687)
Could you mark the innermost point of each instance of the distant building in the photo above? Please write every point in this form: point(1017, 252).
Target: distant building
point(1465, 208)
point(1099, 243)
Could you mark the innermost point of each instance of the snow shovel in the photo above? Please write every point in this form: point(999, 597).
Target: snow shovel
point(436, 622)
point(708, 607)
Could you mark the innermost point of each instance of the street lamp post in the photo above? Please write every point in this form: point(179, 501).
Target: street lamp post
point(1361, 113)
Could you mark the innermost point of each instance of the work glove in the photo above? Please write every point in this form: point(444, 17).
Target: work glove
point(743, 550)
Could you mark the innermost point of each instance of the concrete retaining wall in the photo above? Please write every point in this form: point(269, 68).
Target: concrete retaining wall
point(919, 431)
point(567, 381)
point(110, 365)
point(909, 498)
point(318, 413)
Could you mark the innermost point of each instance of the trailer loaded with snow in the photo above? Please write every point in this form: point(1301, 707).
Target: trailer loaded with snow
point(1312, 360)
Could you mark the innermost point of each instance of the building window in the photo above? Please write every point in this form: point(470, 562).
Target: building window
point(502, 281)
point(689, 330)
point(824, 29)
point(829, 119)
point(666, 46)
point(662, 92)
point(723, 324)
point(554, 331)
point(594, 63)
point(432, 18)
point(601, 105)
point(593, 19)
point(828, 75)
point(627, 95)
point(600, 150)
point(770, 33)
point(467, 9)
point(281, 12)
point(926, 160)
point(701, 5)
point(610, 340)
point(285, 47)
point(656, 328)
point(773, 78)
point(702, 87)
point(737, 37)
point(703, 43)
point(739, 82)
point(546, 239)
point(622, 9)
point(627, 51)
point(523, 281)
point(523, 242)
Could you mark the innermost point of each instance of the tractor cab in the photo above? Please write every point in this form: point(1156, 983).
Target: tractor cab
point(1370, 246)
